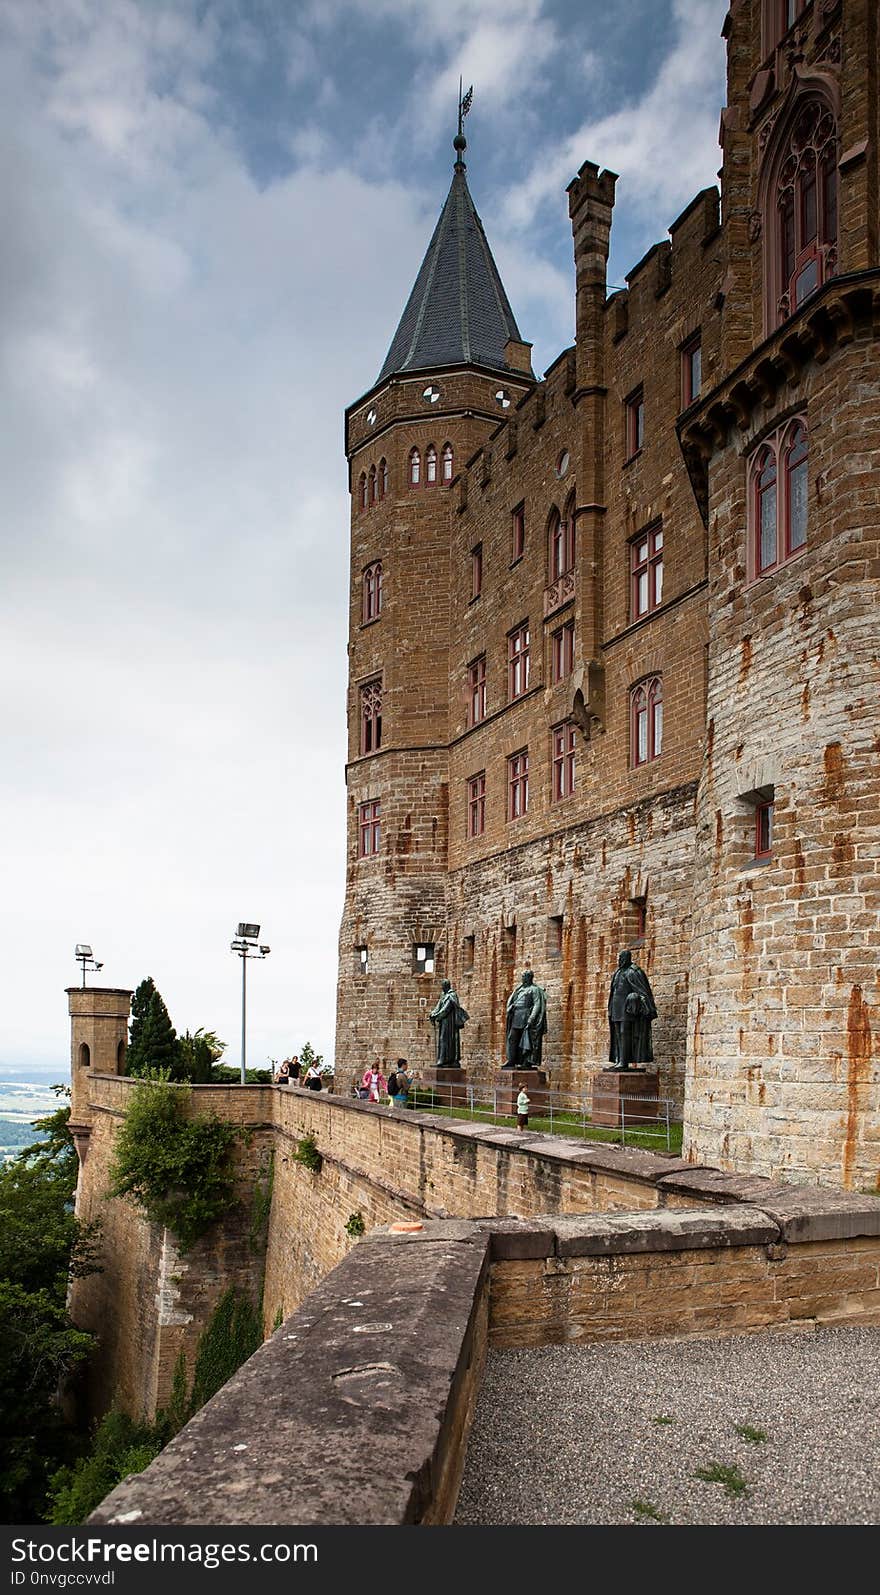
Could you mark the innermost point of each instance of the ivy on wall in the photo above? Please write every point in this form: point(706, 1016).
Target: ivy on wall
point(178, 1170)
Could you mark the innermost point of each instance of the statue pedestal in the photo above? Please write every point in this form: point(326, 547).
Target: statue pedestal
point(448, 1085)
point(509, 1083)
point(616, 1094)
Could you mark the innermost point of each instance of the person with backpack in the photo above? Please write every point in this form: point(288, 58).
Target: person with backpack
point(399, 1084)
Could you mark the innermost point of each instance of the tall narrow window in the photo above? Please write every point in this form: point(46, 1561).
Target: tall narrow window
point(518, 532)
point(554, 936)
point(362, 490)
point(801, 229)
point(646, 720)
point(518, 662)
point(796, 489)
point(476, 804)
point(562, 652)
point(477, 690)
point(646, 562)
point(383, 478)
point(423, 958)
point(563, 761)
point(362, 959)
point(518, 784)
point(476, 571)
point(415, 467)
point(373, 489)
point(560, 545)
point(634, 409)
point(778, 500)
point(369, 828)
point(468, 949)
point(691, 370)
point(447, 462)
point(763, 829)
point(372, 591)
point(371, 715)
point(431, 465)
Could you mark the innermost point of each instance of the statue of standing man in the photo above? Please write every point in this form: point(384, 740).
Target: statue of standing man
point(450, 1018)
point(631, 1012)
point(526, 1024)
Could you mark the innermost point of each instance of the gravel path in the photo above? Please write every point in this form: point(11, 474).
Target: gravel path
point(571, 1434)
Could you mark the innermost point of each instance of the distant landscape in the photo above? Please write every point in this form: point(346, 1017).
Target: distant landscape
point(21, 1101)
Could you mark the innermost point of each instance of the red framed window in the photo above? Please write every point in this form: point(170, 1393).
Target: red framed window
point(369, 828)
point(802, 229)
point(518, 532)
point(691, 370)
point(563, 754)
point(518, 662)
point(476, 571)
point(431, 465)
point(646, 720)
point(383, 478)
point(646, 572)
point(778, 498)
point(372, 591)
point(476, 804)
point(518, 784)
point(634, 411)
point(363, 499)
point(415, 468)
point(371, 715)
point(447, 462)
point(764, 829)
point(562, 652)
point(477, 690)
point(373, 487)
point(560, 546)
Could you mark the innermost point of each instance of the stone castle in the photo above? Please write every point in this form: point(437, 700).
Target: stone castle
point(613, 645)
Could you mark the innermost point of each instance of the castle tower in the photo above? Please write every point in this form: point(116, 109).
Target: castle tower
point(98, 1039)
point(455, 368)
point(782, 1073)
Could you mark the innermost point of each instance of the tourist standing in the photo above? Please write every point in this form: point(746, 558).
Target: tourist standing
point(522, 1110)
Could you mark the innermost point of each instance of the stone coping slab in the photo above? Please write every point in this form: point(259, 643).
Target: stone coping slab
point(803, 1212)
point(347, 1414)
point(661, 1230)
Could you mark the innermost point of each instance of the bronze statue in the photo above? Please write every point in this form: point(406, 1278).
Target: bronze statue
point(450, 1018)
point(526, 1024)
point(631, 1012)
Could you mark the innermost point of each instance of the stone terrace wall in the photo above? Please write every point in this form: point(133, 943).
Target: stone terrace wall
point(371, 1385)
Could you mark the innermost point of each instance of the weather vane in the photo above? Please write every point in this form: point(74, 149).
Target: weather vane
point(459, 143)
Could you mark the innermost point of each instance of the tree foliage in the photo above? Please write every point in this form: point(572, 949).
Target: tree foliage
point(42, 1245)
point(156, 1052)
point(179, 1170)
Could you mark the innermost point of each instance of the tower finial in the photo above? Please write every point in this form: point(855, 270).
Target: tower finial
point(459, 143)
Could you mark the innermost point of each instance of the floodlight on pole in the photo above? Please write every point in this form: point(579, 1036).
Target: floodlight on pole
point(245, 945)
point(86, 957)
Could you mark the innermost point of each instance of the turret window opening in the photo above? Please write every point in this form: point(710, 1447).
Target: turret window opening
point(372, 591)
point(372, 484)
point(362, 490)
point(431, 465)
point(646, 720)
point(448, 462)
point(802, 224)
point(383, 478)
point(371, 715)
point(778, 501)
point(415, 468)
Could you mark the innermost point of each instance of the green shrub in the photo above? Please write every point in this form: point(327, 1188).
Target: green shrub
point(355, 1226)
point(308, 1155)
point(179, 1170)
point(120, 1447)
point(233, 1334)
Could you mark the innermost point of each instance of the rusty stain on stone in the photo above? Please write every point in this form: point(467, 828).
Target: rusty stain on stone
point(745, 662)
point(858, 1074)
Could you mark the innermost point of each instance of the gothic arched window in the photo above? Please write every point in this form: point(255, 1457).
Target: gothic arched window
point(447, 462)
point(383, 478)
point(372, 591)
point(778, 498)
point(801, 229)
point(415, 467)
point(430, 464)
point(646, 720)
point(362, 490)
point(372, 484)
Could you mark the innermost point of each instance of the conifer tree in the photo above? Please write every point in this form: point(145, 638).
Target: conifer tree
point(157, 1044)
point(140, 1007)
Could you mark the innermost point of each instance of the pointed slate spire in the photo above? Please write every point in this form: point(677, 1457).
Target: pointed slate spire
point(458, 312)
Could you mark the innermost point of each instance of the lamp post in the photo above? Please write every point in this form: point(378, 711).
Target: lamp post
point(246, 944)
point(85, 957)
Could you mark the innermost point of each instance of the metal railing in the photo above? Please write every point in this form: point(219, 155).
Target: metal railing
point(597, 1116)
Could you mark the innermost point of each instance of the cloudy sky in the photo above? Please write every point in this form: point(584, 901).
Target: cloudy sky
point(213, 213)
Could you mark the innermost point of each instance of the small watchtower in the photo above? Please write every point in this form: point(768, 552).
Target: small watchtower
point(98, 1040)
